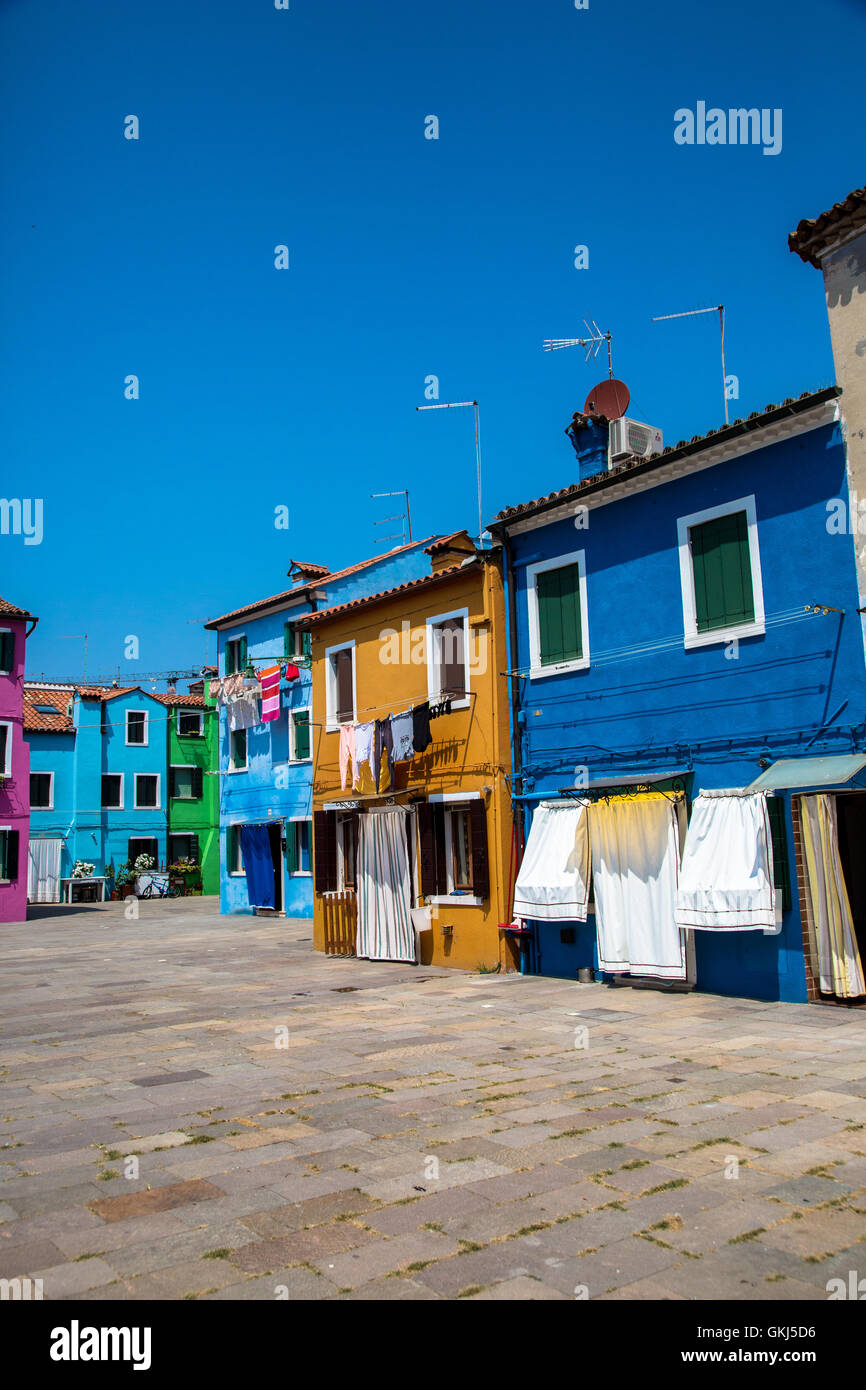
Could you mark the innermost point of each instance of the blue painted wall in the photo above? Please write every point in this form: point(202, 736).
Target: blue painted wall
point(699, 709)
point(272, 788)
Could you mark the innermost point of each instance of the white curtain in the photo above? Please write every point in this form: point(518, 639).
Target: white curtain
point(385, 930)
point(553, 882)
point(726, 877)
point(828, 906)
point(635, 856)
point(43, 871)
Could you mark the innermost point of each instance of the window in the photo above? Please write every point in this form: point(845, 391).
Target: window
point(781, 865)
point(298, 847)
point(447, 670)
point(720, 574)
point(8, 854)
point(183, 847)
point(143, 845)
point(136, 727)
point(41, 791)
point(340, 685)
point(237, 750)
point(190, 723)
point(347, 850)
point(452, 835)
point(146, 791)
point(7, 653)
point(5, 750)
point(186, 782)
point(299, 723)
point(297, 644)
point(112, 791)
point(234, 858)
point(236, 656)
point(558, 624)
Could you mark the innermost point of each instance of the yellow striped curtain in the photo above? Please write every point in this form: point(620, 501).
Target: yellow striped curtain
point(839, 967)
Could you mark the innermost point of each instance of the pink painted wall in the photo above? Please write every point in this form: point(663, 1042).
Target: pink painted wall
point(15, 793)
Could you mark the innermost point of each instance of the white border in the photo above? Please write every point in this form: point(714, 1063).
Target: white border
point(158, 804)
point(200, 733)
point(171, 795)
point(537, 670)
point(452, 899)
point(432, 647)
point(6, 770)
point(300, 709)
point(303, 820)
point(756, 628)
point(231, 767)
point(120, 806)
point(40, 772)
point(331, 725)
point(3, 670)
point(146, 740)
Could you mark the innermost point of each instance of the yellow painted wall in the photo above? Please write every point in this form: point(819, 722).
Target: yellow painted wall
point(470, 749)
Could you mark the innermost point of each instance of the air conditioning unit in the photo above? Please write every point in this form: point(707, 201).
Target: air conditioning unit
point(631, 439)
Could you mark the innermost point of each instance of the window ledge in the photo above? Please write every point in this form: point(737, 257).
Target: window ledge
point(723, 634)
point(301, 873)
point(559, 669)
point(455, 900)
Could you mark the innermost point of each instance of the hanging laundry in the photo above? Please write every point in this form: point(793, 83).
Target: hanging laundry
point(215, 689)
point(402, 735)
point(231, 686)
point(726, 878)
point(440, 708)
point(384, 743)
point(421, 737)
point(364, 741)
point(347, 752)
point(270, 681)
point(292, 672)
point(243, 710)
point(553, 882)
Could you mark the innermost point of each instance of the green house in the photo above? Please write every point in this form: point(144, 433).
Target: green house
point(193, 784)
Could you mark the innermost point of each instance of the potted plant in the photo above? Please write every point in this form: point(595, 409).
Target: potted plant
point(123, 881)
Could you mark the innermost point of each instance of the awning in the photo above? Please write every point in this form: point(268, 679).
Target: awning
point(830, 771)
point(636, 781)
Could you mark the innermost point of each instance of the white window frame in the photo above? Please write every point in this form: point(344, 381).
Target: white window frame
point(557, 562)
point(7, 830)
point(238, 637)
point(331, 725)
point(246, 765)
point(756, 628)
point(40, 772)
point(158, 805)
point(199, 713)
point(241, 872)
point(6, 770)
point(120, 805)
point(303, 820)
point(171, 797)
point(452, 899)
point(12, 667)
point(145, 741)
point(433, 645)
point(300, 709)
point(341, 851)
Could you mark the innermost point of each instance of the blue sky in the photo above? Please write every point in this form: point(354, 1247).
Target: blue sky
point(409, 257)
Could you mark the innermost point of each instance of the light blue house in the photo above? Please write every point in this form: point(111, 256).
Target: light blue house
point(266, 771)
point(689, 621)
point(98, 764)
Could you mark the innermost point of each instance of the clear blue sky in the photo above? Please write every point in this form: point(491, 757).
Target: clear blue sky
point(409, 257)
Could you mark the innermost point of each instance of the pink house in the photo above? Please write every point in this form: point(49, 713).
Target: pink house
point(15, 627)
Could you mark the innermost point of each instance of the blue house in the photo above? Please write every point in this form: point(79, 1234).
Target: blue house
point(266, 769)
point(98, 759)
point(682, 623)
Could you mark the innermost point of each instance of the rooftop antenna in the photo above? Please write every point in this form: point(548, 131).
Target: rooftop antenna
point(713, 309)
point(405, 518)
point(76, 636)
point(591, 344)
point(460, 405)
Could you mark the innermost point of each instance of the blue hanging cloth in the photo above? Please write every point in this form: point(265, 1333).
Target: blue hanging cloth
point(258, 865)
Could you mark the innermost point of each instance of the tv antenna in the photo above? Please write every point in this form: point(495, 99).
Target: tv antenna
point(713, 309)
point(459, 405)
point(72, 637)
point(405, 518)
point(591, 344)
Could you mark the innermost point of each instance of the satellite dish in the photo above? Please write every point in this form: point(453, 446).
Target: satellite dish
point(608, 398)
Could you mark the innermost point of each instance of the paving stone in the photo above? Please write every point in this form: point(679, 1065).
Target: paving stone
point(69, 1280)
point(157, 1199)
point(384, 1257)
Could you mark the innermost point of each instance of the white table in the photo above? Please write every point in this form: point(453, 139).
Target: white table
point(66, 886)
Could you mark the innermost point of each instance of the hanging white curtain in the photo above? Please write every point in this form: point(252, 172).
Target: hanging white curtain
point(635, 855)
point(726, 877)
point(828, 906)
point(553, 882)
point(385, 930)
point(43, 871)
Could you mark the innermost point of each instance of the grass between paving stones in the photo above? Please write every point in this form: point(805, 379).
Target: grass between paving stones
point(221, 1253)
point(747, 1235)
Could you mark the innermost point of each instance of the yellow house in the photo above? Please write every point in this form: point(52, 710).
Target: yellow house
point(412, 828)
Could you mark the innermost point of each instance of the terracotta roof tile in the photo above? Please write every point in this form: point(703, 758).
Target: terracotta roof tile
point(174, 697)
point(8, 610)
point(425, 582)
point(59, 698)
point(815, 234)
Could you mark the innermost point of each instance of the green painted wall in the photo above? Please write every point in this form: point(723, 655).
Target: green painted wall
point(199, 815)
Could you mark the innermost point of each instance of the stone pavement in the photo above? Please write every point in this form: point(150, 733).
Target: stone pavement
point(424, 1134)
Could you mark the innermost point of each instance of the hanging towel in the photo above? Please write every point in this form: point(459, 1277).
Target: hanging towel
point(215, 689)
point(364, 741)
point(292, 673)
point(258, 865)
point(243, 710)
point(553, 882)
point(402, 734)
point(726, 878)
point(270, 682)
point(383, 743)
point(347, 752)
point(828, 908)
point(635, 855)
point(385, 929)
point(232, 685)
point(421, 737)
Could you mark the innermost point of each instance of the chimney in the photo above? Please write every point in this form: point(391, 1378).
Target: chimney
point(589, 439)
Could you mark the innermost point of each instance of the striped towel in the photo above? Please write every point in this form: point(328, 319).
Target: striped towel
point(270, 683)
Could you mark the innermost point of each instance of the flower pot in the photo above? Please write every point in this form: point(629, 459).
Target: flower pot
point(127, 890)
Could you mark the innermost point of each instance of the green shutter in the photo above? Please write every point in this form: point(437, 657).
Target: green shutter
point(779, 833)
point(292, 847)
point(307, 644)
point(288, 640)
point(559, 635)
point(722, 570)
point(242, 663)
point(302, 733)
